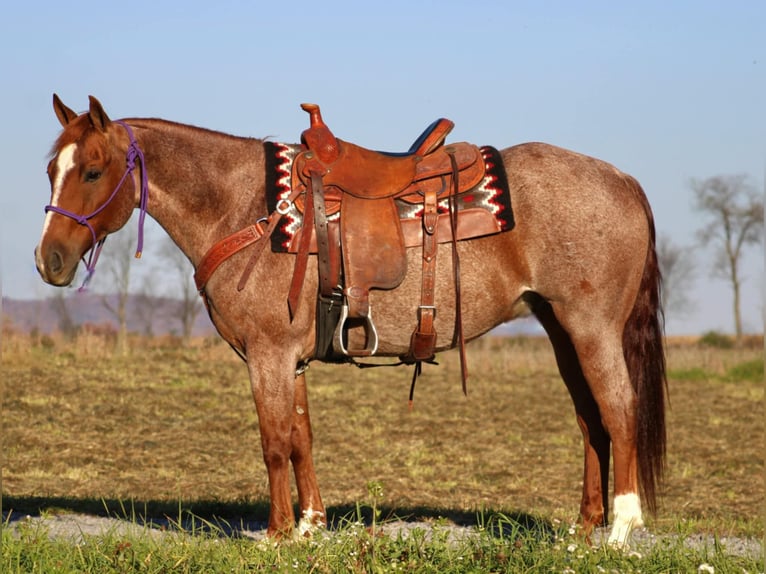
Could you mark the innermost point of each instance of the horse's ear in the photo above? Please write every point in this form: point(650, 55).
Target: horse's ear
point(63, 113)
point(97, 115)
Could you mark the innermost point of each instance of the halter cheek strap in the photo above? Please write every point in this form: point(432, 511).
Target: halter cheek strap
point(133, 155)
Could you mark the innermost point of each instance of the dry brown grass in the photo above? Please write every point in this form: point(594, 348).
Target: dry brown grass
point(167, 424)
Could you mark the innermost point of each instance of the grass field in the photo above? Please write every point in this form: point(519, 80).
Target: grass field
point(84, 429)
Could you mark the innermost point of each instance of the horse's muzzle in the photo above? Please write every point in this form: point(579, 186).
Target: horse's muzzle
point(52, 267)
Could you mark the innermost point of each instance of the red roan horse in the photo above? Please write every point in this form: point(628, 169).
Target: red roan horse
point(581, 258)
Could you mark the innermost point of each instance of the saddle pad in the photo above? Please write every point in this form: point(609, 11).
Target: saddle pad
point(491, 194)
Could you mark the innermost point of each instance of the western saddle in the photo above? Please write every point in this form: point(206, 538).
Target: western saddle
point(348, 198)
point(367, 249)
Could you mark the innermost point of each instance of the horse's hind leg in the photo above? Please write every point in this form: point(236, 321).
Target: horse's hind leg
point(595, 500)
point(309, 500)
point(598, 343)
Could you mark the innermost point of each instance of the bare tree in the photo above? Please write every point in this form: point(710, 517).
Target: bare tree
point(189, 306)
point(677, 267)
point(735, 220)
point(114, 271)
point(66, 323)
point(148, 305)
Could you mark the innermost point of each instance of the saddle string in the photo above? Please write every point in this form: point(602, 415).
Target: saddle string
point(133, 156)
point(458, 338)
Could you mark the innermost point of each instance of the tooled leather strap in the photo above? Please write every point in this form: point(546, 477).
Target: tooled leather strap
point(326, 283)
point(283, 206)
point(237, 241)
point(302, 257)
point(224, 249)
point(273, 220)
point(423, 340)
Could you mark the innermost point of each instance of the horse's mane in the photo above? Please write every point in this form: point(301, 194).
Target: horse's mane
point(79, 126)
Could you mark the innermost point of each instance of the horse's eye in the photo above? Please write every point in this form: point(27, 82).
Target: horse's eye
point(92, 175)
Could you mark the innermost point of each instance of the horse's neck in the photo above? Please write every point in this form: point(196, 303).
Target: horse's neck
point(203, 185)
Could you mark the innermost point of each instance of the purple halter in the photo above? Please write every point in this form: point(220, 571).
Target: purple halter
point(134, 152)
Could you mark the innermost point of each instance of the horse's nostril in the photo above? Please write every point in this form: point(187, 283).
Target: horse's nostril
point(55, 262)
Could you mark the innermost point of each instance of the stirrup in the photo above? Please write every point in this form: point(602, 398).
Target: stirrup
point(369, 327)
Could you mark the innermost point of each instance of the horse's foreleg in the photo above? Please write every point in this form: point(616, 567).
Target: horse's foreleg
point(309, 500)
point(274, 392)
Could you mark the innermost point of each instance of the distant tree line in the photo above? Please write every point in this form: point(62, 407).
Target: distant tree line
point(171, 277)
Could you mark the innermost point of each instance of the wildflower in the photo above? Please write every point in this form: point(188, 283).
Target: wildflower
point(706, 568)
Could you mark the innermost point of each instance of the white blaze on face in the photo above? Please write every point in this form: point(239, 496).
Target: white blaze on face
point(64, 164)
point(627, 516)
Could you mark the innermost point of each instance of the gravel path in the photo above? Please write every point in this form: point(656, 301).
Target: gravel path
point(75, 527)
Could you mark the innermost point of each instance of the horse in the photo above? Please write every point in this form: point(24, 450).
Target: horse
point(581, 258)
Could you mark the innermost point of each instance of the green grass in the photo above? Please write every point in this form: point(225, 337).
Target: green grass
point(747, 371)
point(499, 545)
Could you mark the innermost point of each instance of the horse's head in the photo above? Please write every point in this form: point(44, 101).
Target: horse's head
point(92, 193)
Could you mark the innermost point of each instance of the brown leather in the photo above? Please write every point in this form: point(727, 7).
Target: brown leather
point(326, 257)
point(302, 258)
point(436, 137)
point(273, 221)
point(423, 340)
point(458, 339)
point(224, 249)
point(365, 183)
point(429, 172)
point(361, 172)
point(318, 137)
point(363, 177)
point(373, 249)
point(471, 223)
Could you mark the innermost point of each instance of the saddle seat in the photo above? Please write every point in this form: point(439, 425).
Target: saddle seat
point(369, 174)
point(368, 251)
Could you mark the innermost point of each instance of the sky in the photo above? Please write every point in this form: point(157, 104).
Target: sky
point(666, 91)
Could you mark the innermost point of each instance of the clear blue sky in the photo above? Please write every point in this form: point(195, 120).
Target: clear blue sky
point(666, 91)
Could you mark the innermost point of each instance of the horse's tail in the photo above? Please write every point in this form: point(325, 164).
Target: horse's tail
point(642, 343)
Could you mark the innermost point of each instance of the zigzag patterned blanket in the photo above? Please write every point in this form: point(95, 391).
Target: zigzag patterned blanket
point(491, 194)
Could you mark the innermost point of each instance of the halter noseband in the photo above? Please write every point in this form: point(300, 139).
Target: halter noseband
point(134, 152)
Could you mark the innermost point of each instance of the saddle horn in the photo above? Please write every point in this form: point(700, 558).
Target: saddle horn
point(318, 136)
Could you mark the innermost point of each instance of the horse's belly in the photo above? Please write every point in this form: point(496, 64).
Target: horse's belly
point(490, 288)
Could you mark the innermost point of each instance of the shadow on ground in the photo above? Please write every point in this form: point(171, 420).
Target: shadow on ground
point(250, 519)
